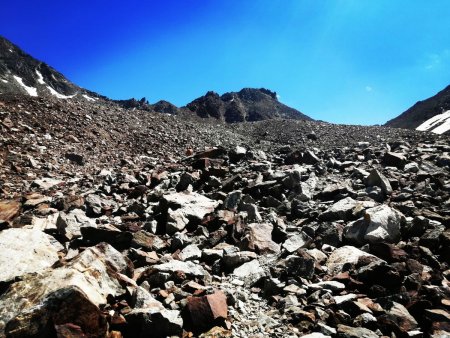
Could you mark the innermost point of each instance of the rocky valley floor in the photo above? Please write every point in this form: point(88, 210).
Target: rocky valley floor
point(127, 223)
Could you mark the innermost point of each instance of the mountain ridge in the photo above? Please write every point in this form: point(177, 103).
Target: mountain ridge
point(21, 73)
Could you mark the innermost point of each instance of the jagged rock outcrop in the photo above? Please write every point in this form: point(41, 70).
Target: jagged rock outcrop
point(246, 105)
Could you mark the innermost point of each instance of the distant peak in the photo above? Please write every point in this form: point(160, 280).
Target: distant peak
point(248, 104)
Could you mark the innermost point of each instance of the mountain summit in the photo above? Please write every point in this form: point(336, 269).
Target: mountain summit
point(432, 114)
point(249, 104)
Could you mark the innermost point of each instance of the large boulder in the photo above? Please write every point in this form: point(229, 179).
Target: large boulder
point(345, 209)
point(383, 224)
point(72, 292)
point(379, 224)
point(347, 255)
point(184, 207)
point(26, 251)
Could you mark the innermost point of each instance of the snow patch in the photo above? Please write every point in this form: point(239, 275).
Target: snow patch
point(10, 50)
point(58, 95)
point(3, 80)
point(438, 124)
point(40, 77)
point(88, 98)
point(30, 90)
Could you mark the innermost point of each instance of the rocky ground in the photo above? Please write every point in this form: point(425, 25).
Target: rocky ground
point(127, 223)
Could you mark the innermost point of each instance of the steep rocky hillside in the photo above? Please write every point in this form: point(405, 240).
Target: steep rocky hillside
point(431, 114)
point(21, 73)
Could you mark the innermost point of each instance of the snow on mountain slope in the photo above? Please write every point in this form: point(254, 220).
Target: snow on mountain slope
point(22, 74)
point(438, 124)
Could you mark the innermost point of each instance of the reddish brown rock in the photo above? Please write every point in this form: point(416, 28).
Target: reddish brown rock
point(9, 209)
point(207, 311)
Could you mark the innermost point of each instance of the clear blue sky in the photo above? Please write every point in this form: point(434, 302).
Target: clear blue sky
point(349, 61)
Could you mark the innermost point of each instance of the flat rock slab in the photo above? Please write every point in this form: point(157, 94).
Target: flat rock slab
point(188, 268)
point(26, 251)
point(46, 183)
point(206, 310)
point(249, 272)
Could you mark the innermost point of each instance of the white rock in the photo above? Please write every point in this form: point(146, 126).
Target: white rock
point(25, 251)
point(94, 272)
point(344, 298)
point(250, 272)
point(43, 223)
point(188, 268)
point(186, 206)
point(329, 285)
point(190, 252)
point(318, 255)
point(315, 335)
point(384, 224)
point(46, 183)
point(343, 255)
point(296, 242)
point(345, 209)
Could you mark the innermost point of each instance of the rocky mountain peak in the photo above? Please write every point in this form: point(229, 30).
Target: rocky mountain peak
point(249, 104)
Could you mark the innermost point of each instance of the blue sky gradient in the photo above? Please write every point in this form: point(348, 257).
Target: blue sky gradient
point(343, 61)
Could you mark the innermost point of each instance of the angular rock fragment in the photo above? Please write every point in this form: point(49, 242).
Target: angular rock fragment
point(149, 317)
point(384, 224)
point(207, 311)
point(377, 179)
point(69, 224)
point(301, 265)
point(346, 255)
point(259, 239)
point(394, 160)
point(345, 209)
point(296, 242)
point(184, 207)
point(46, 183)
point(249, 272)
